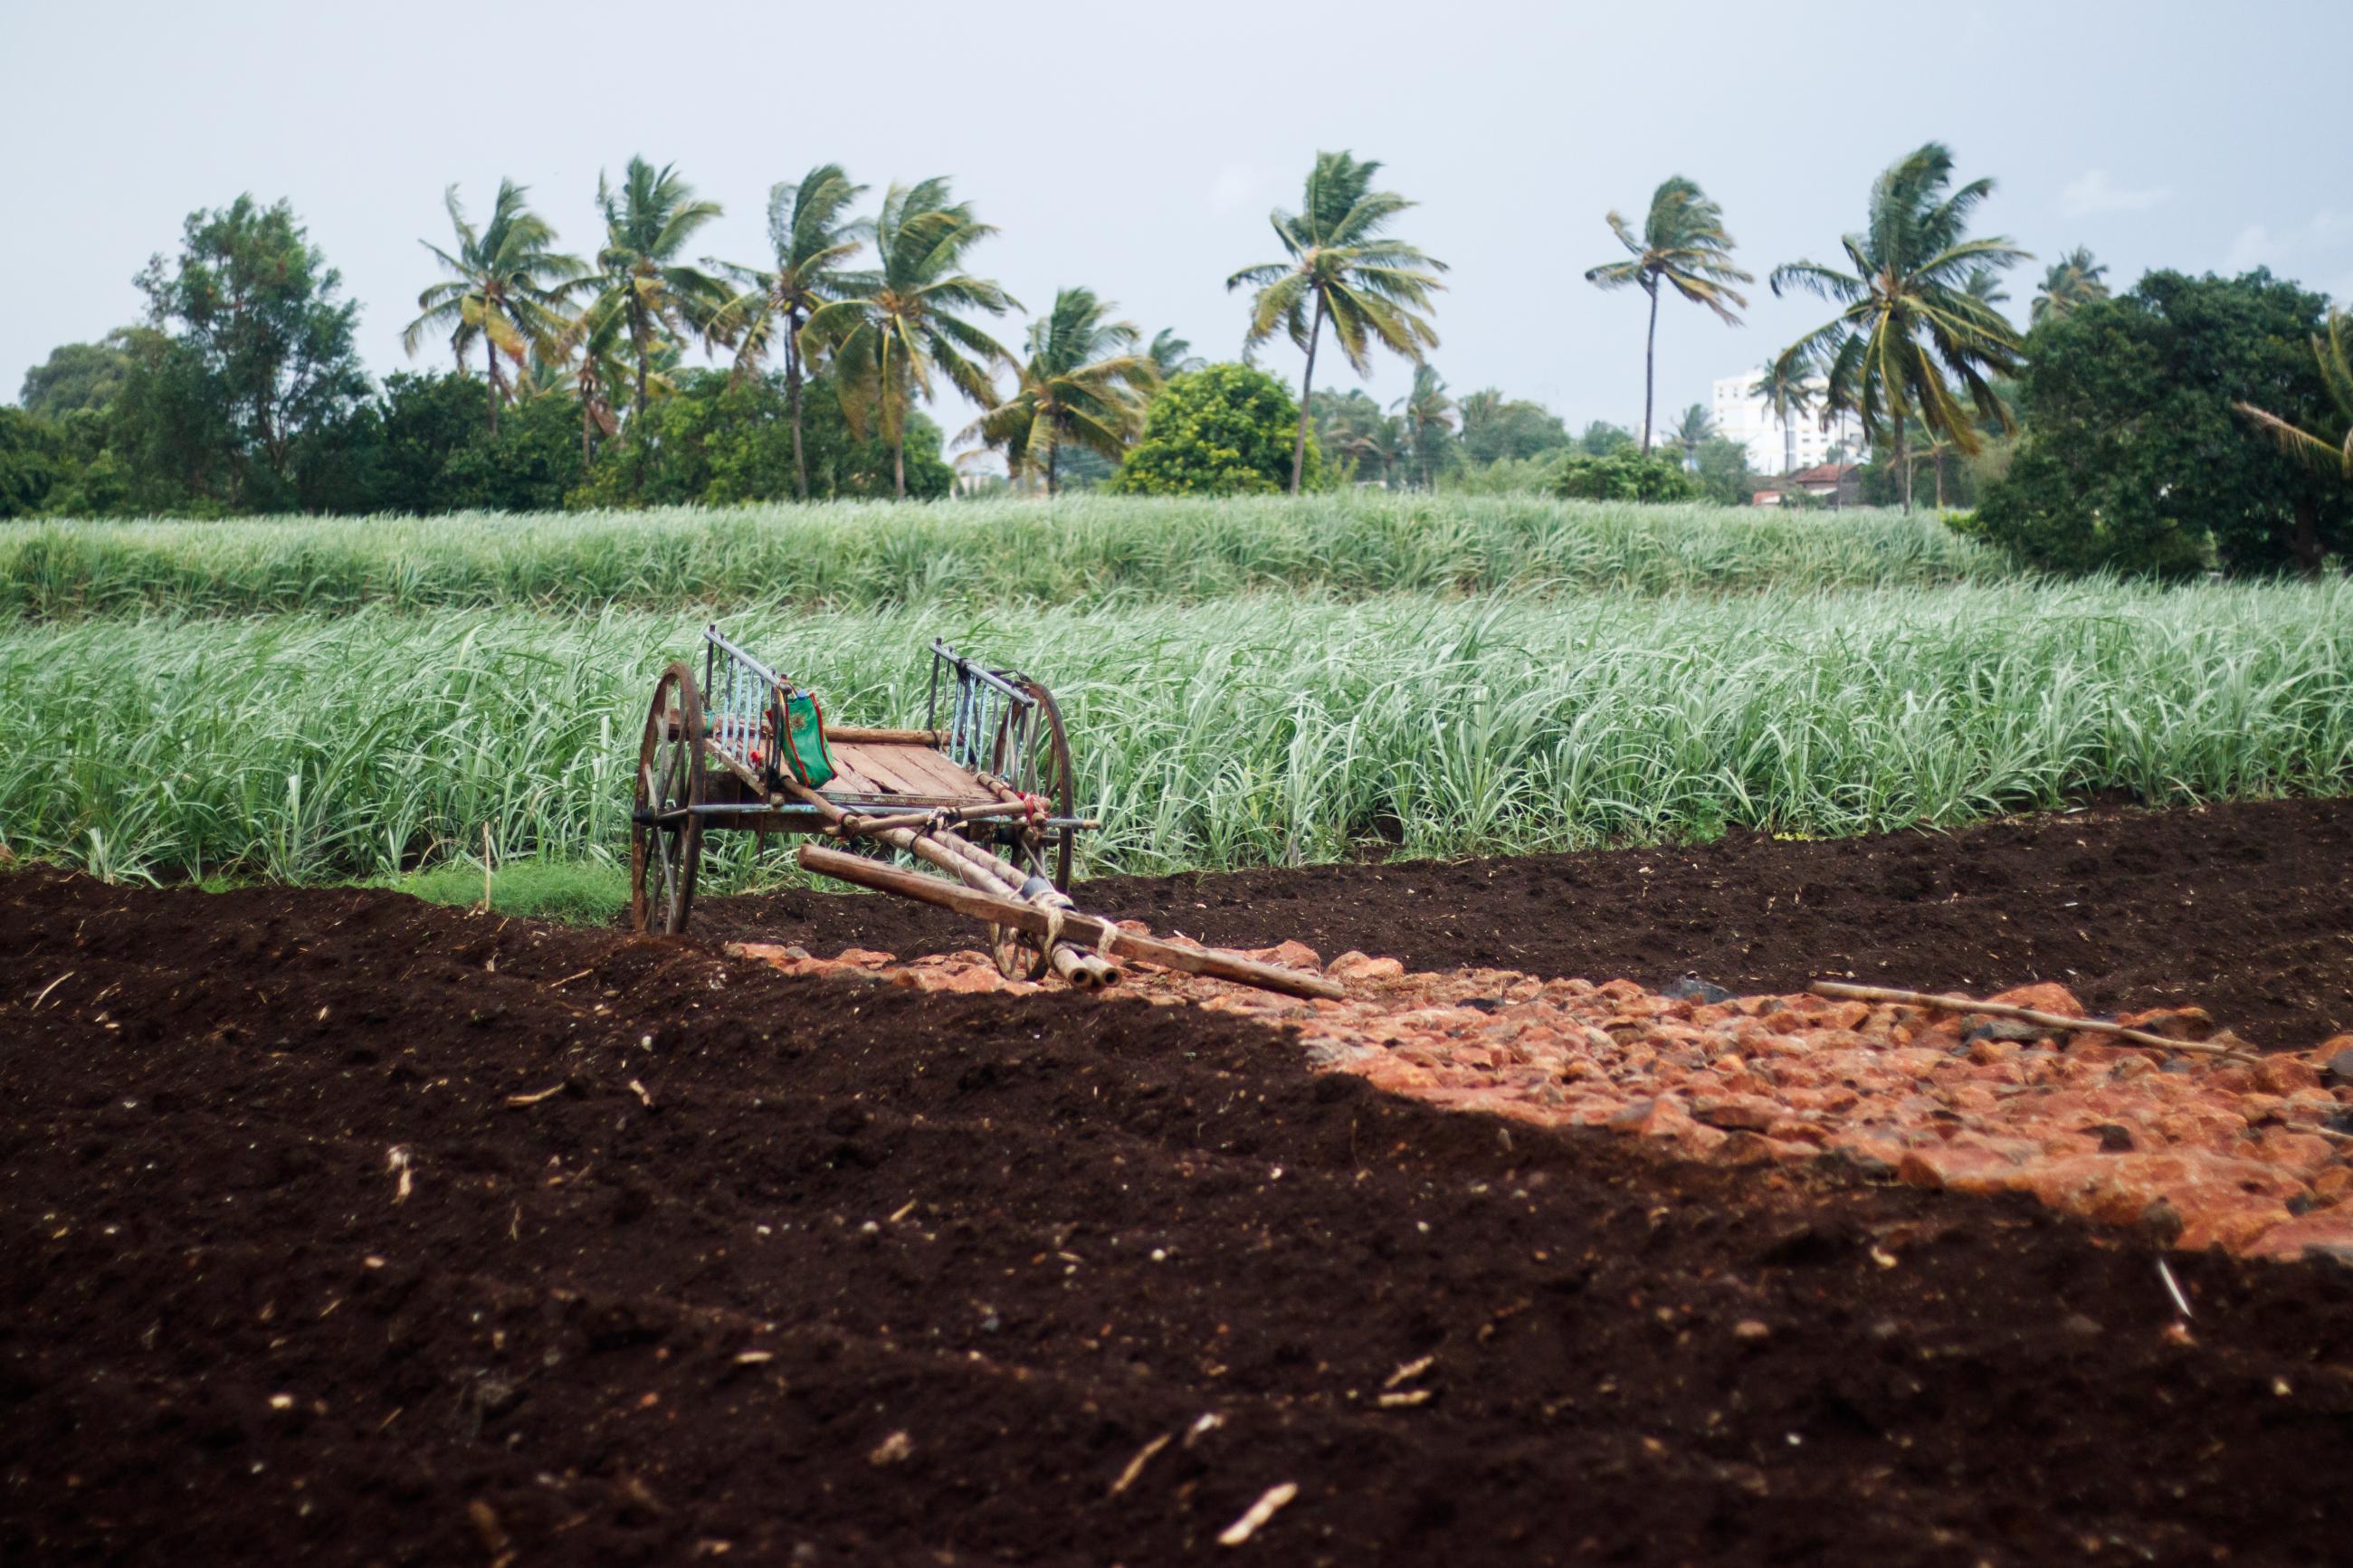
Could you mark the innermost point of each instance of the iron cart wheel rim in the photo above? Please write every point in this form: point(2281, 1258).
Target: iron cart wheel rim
point(1042, 767)
point(665, 835)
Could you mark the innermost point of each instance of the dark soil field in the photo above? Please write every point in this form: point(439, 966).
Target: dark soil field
point(2244, 909)
point(339, 1228)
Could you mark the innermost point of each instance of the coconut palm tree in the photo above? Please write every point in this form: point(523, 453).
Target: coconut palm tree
point(599, 371)
point(1171, 354)
point(2075, 279)
point(1083, 383)
point(507, 290)
point(812, 239)
point(1692, 431)
point(1340, 268)
point(1355, 432)
point(1428, 414)
point(648, 223)
point(1788, 386)
point(902, 327)
point(1984, 285)
point(1914, 318)
point(1682, 244)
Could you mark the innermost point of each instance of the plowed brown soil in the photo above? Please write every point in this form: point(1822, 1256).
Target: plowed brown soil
point(796, 1270)
point(2246, 909)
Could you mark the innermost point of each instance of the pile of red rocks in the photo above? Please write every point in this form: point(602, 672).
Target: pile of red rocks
point(2191, 1150)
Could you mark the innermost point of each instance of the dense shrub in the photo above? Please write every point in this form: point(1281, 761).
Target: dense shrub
point(1229, 429)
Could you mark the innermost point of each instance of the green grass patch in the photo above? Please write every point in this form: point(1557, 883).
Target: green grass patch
point(575, 892)
point(1092, 550)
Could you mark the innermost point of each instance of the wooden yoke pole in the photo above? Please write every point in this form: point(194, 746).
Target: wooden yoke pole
point(962, 858)
point(1089, 929)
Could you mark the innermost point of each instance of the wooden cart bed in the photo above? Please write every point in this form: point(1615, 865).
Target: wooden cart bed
point(877, 773)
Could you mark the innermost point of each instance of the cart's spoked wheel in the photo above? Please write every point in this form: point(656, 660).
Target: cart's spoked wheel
point(665, 837)
point(1019, 955)
point(1038, 763)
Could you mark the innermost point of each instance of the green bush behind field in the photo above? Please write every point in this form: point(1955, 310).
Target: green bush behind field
point(1261, 729)
point(1093, 549)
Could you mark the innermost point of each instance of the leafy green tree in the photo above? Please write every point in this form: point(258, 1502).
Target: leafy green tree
point(531, 465)
point(1340, 267)
point(1625, 475)
point(260, 353)
point(648, 222)
point(76, 377)
point(1498, 430)
point(1428, 418)
point(506, 290)
point(2134, 455)
point(1720, 467)
point(2075, 279)
point(904, 326)
point(2331, 452)
point(1227, 429)
point(813, 238)
point(1603, 439)
point(1683, 245)
point(31, 448)
point(718, 440)
point(1914, 315)
point(422, 420)
point(1083, 384)
point(1790, 386)
point(91, 478)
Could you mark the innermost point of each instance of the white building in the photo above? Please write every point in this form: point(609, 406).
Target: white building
point(1740, 416)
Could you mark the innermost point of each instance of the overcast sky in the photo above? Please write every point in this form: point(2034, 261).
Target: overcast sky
point(1137, 149)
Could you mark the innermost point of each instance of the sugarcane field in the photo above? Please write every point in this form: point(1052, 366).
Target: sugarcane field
point(1643, 855)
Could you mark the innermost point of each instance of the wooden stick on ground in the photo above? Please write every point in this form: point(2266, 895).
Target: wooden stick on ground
point(1947, 1001)
point(1090, 930)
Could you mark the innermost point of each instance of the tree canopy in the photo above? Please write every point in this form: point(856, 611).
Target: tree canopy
point(1224, 431)
point(2136, 455)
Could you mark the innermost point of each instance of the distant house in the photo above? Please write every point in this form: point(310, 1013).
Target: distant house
point(1841, 484)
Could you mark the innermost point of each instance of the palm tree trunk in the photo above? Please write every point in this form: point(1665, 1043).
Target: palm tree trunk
point(1904, 464)
point(1307, 386)
point(638, 337)
point(1053, 465)
point(1789, 445)
point(1940, 481)
point(587, 424)
point(491, 371)
point(793, 398)
point(899, 464)
point(1650, 366)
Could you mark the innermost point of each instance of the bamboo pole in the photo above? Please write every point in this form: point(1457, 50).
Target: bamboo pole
point(858, 733)
point(1092, 930)
point(1949, 1002)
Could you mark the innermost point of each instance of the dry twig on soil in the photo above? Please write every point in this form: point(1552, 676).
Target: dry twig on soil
point(1950, 1003)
